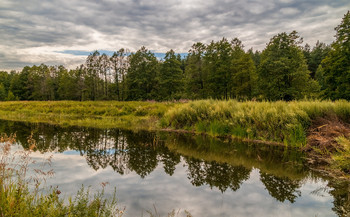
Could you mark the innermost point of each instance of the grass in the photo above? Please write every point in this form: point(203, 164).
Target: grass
point(102, 114)
point(342, 157)
point(284, 122)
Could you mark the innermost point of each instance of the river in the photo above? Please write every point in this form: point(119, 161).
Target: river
point(165, 171)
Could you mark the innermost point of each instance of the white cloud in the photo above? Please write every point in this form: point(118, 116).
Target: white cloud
point(47, 27)
point(289, 11)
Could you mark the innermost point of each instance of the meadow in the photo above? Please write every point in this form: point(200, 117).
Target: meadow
point(101, 114)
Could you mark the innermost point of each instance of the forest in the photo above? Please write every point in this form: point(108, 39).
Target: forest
point(285, 70)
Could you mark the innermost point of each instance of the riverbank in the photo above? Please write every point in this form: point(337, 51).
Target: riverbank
point(285, 123)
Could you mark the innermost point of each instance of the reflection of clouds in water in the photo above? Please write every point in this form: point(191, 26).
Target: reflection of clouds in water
point(316, 190)
point(176, 192)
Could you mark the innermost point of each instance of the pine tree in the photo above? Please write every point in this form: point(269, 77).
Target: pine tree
point(141, 75)
point(169, 78)
point(244, 77)
point(195, 77)
point(336, 66)
point(217, 64)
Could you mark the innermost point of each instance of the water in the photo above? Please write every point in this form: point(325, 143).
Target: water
point(205, 176)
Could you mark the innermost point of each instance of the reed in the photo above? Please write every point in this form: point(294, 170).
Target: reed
point(285, 122)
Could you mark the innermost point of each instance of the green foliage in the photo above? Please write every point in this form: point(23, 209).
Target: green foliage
point(244, 76)
point(20, 85)
point(283, 73)
point(3, 94)
point(69, 83)
point(217, 63)
point(141, 75)
point(11, 97)
point(336, 66)
point(195, 79)
point(220, 70)
point(92, 77)
point(169, 78)
point(5, 79)
point(42, 83)
point(319, 77)
point(315, 56)
point(255, 56)
point(120, 63)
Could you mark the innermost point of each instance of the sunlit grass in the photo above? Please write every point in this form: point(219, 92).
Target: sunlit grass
point(342, 157)
point(285, 122)
point(102, 114)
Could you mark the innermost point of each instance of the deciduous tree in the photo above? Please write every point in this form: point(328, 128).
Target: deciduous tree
point(283, 72)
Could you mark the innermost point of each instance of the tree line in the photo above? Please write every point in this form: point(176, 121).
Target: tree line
point(284, 70)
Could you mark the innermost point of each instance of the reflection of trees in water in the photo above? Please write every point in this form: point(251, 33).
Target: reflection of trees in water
point(120, 156)
point(281, 188)
point(341, 194)
point(141, 152)
point(215, 174)
point(169, 160)
point(97, 148)
point(124, 151)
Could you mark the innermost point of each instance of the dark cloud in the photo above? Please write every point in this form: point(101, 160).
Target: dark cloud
point(39, 28)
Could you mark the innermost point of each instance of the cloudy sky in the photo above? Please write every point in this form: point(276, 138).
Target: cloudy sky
point(64, 31)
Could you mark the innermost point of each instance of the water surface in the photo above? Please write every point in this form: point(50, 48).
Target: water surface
point(205, 176)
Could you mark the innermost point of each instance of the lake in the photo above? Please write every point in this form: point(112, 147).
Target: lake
point(203, 175)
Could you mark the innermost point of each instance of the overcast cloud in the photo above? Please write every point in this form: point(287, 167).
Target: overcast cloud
point(36, 31)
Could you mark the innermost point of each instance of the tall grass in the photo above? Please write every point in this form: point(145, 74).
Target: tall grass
point(285, 122)
point(21, 195)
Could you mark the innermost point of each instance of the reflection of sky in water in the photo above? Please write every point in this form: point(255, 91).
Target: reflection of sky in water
point(176, 192)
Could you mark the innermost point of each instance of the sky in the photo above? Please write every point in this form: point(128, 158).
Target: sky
point(63, 32)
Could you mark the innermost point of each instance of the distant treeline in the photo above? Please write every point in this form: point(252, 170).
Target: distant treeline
point(284, 70)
